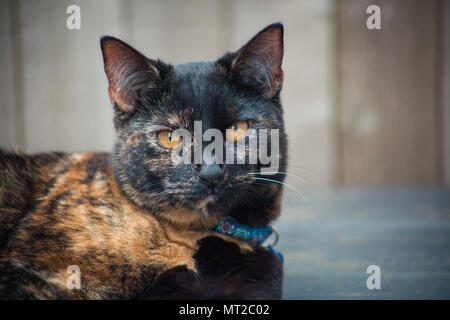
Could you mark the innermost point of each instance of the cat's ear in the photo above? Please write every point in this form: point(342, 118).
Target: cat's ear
point(257, 65)
point(128, 72)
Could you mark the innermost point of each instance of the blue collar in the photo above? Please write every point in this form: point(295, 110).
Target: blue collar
point(254, 235)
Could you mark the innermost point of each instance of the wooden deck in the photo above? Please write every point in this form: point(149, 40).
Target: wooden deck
point(406, 232)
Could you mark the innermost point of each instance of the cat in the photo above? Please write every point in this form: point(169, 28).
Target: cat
point(136, 225)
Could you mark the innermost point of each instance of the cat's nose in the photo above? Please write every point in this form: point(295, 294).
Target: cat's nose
point(210, 174)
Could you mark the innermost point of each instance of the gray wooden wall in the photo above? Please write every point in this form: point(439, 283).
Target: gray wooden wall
point(389, 117)
point(362, 107)
point(445, 90)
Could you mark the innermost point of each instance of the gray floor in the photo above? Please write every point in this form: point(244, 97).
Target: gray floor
point(406, 232)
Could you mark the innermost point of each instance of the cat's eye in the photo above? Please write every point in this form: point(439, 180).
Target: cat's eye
point(169, 139)
point(237, 130)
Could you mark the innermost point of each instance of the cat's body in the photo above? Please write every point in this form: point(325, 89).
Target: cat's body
point(135, 226)
point(77, 215)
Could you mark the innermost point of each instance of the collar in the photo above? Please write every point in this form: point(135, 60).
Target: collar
point(254, 235)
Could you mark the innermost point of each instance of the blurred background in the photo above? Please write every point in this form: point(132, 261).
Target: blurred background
point(367, 113)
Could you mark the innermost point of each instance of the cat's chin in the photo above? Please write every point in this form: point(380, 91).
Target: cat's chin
point(205, 205)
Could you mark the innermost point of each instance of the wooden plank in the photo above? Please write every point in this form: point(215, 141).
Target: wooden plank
point(64, 89)
point(8, 90)
point(405, 231)
point(389, 101)
point(446, 91)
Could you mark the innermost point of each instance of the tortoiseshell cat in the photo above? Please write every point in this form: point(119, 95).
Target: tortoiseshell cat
point(138, 226)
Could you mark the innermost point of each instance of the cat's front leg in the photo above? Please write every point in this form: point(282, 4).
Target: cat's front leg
point(223, 272)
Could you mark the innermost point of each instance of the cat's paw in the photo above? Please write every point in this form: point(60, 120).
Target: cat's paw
point(216, 256)
point(226, 272)
point(175, 283)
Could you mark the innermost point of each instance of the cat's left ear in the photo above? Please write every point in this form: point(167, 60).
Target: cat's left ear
point(257, 65)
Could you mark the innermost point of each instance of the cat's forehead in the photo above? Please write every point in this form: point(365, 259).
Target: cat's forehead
point(194, 68)
point(197, 82)
point(200, 93)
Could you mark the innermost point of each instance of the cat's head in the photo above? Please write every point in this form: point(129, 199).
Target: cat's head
point(239, 92)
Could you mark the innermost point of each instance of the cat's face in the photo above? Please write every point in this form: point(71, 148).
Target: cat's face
point(239, 92)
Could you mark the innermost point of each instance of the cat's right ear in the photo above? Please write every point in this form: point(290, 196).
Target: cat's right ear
point(128, 72)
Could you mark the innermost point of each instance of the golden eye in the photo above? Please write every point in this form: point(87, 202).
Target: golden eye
point(237, 131)
point(169, 139)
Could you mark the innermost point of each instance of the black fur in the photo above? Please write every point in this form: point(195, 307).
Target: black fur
point(223, 273)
